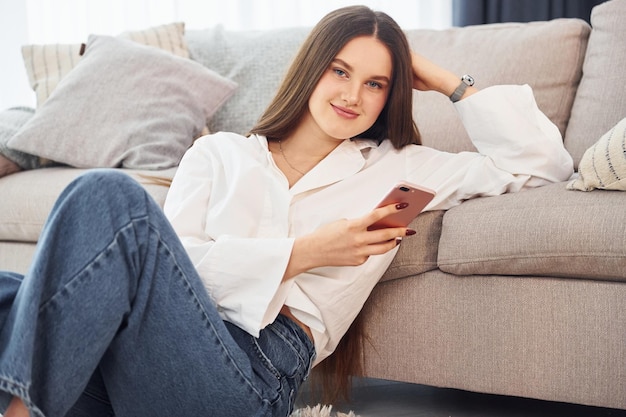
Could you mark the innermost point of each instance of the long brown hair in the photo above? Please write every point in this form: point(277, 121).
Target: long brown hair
point(395, 123)
point(327, 38)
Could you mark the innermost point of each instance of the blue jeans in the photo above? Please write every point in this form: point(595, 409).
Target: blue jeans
point(113, 320)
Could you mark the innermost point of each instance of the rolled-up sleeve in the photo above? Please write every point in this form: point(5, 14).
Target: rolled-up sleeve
point(518, 148)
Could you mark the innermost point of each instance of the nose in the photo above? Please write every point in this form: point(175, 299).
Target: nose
point(352, 94)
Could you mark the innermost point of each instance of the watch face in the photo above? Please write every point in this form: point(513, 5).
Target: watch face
point(468, 79)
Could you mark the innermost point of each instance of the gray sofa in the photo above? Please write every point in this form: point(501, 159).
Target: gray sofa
point(522, 294)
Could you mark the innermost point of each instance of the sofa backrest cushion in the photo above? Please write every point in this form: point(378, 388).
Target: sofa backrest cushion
point(546, 55)
point(600, 100)
point(256, 60)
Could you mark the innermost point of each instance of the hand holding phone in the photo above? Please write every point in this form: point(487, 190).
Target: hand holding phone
point(417, 198)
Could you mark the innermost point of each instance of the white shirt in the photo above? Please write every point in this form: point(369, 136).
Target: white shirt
point(237, 217)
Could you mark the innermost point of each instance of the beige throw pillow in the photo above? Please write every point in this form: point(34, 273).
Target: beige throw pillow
point(46, 65)
point(603, 165)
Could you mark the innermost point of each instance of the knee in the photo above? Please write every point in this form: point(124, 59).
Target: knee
point(105, 189)
point(106, 181)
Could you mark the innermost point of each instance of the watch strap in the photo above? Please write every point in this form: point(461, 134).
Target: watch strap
point(466, 81)
point(458, 93)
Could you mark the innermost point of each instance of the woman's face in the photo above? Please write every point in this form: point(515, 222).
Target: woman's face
point(353, 90)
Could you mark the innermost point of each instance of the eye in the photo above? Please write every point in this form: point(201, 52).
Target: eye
point(374, 84)
point(340, 72)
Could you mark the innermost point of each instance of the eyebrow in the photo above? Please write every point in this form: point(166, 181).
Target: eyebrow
point(349, 68)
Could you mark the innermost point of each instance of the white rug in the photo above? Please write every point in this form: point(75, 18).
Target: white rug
point(320, 411)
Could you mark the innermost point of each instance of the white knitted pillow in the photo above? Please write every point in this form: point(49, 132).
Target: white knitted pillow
point(603, 166)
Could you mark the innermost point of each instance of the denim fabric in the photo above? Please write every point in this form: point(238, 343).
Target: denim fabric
point(113, 317)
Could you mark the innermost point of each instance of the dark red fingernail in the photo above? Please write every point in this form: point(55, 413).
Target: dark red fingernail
point(401, 206)
point(398, 241)
point(410, 232)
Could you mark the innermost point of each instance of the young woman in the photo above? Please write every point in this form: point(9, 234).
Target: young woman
point(269, 259)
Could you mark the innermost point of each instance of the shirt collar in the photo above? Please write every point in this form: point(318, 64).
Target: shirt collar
point(345, 160)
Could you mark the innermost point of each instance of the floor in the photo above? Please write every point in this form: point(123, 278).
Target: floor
point(379, 398)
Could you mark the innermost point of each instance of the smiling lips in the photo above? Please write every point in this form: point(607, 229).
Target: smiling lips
point(344, 112)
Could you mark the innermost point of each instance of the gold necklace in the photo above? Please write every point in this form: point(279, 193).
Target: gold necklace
point(280, 148)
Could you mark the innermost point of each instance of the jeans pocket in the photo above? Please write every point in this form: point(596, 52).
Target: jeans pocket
point(281, 358)
point(283, 363)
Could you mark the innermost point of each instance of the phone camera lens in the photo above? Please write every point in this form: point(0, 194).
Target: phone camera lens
point(405, 189)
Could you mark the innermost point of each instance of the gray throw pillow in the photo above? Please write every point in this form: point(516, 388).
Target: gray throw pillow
point(11, 120)
point(124, 105)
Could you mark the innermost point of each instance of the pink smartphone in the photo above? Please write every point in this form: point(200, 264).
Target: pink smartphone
point(416, 196)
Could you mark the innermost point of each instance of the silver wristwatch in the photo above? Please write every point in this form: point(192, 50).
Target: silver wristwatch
point(466, 81)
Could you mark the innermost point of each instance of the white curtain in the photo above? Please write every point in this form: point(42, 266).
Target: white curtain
point(71, 21)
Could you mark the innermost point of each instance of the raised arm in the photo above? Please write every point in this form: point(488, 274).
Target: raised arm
point(428, 76)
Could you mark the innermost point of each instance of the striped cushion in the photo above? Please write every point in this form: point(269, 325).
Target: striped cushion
point(46, 65)
point(603, 165)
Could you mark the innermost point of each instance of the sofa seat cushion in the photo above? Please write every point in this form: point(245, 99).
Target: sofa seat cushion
point(547, 231)
point(28, 197)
